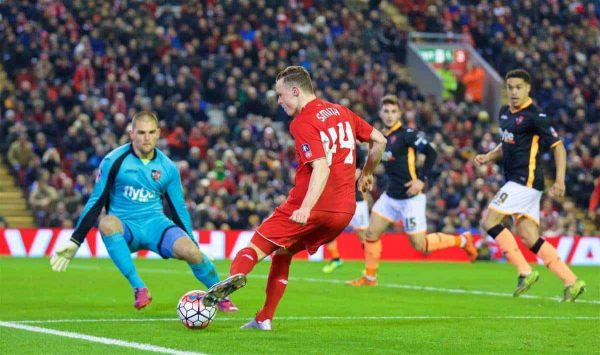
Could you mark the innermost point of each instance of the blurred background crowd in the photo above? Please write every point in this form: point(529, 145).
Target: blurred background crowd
point(78, 70)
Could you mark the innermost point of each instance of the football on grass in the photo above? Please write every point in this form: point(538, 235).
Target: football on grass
point(193, 313)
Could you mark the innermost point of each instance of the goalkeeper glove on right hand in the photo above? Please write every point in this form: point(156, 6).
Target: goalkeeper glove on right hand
point(63, 255)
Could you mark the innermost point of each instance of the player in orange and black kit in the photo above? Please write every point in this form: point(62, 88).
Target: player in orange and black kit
point(403, 199)
point(525, 132)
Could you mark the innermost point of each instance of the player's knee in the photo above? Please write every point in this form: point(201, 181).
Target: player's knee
point(110, 225)
point(282, 256)
point(371, 236)
point(488, 224)
point(362, 234)
point(261, 246)
point(417, 242)
point(195, 256)
point(185, 249)
point(283, 252)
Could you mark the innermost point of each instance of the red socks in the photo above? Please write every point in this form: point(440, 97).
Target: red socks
point(276, 284)
point(243, 262)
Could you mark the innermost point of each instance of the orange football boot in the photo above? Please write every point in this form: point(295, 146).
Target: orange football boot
point(469, 247)
point(363, 281)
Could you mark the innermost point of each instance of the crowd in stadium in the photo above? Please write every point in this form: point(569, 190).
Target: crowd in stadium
point(207, 69)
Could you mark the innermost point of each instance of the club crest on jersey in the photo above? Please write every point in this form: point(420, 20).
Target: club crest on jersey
point(393, 139)
point(306, 150)
point(519, 120)
point(155, 175)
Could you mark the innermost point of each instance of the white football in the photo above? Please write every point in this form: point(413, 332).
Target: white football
point(193, 313)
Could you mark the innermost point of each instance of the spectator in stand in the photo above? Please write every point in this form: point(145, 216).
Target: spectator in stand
point(59, 217)
point(119, 66)
point(20, 154)
point(449, 81)
point(593, 208)
point(84, 78)
point(177, 142)
point(42, 198)
point(474, 81)
point(70, 197)
point(550, 219)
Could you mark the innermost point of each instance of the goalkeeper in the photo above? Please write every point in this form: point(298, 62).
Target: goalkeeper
point(131, 184)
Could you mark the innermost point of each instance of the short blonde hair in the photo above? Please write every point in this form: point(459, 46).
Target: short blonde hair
point(296, 75)
point(390, 100)
point(144, 115)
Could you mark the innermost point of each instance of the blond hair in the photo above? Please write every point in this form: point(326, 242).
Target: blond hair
point(390, 100)
point(144, 116)
point(296, 76)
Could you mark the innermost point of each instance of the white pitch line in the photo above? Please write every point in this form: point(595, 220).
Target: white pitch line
point(295, 318)
point(96, 339)
point(383, 285)
point(447, 290)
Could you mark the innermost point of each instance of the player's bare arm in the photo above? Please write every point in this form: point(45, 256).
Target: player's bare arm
point(560, 158)
point(377, 142)
point(492, 156)
point(318, 178)
point(416, 185)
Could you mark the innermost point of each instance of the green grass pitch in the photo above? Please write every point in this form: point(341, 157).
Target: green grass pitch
point(417, 308)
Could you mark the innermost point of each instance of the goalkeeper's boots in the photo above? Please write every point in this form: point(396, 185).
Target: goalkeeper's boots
point(334, 264)
point(364, 280)
point(227, 306)
point(254, 324)
point(219, 291)
point(525, 282)
point(573, 291)
point(469, 247)
point(142, 297)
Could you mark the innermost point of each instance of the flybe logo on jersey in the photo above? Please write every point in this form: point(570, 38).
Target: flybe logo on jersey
point(328, 112)
point(141, 194)
point(507, 136)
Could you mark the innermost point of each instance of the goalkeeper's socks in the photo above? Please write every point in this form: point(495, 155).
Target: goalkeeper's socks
point(244, 262)
point(121, 256)
point(507, 243)
point(276, 284)
point(548, 254)
point(205, 271)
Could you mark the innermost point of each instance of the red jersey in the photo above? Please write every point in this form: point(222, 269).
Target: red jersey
point(327, 130)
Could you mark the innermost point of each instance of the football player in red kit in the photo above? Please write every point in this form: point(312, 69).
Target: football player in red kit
point(322, 201)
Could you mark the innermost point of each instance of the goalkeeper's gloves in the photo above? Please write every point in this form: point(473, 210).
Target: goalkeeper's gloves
point(63, 255)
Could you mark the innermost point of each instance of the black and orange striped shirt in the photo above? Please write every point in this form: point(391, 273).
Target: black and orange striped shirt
point(399, 159)
point(525, 134)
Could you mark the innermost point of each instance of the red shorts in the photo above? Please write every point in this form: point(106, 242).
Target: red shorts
point(321, 228)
